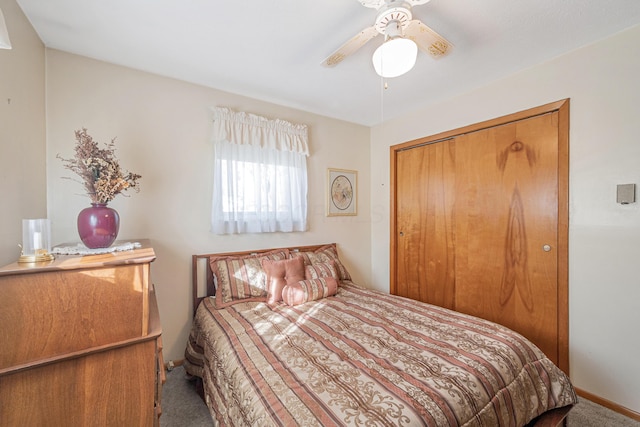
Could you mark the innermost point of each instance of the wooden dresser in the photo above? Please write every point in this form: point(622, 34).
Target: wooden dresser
point(80, 342)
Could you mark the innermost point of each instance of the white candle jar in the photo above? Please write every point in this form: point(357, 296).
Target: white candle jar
point(36, 240)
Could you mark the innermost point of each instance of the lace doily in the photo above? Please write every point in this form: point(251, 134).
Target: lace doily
point(81, 249)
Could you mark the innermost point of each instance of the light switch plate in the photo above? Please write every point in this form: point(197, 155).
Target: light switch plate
point(626, 193)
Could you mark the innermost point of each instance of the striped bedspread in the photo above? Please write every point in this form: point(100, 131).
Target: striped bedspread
point(365, 358)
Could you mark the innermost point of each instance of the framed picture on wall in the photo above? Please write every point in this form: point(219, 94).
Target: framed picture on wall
point(342, 192)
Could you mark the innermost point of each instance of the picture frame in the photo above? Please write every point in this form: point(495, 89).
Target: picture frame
point(342, 192)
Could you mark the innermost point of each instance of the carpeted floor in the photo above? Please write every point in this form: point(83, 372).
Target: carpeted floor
point(182, 407)
point(589, 414)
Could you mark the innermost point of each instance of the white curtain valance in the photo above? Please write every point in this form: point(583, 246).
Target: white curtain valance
point(250, 129)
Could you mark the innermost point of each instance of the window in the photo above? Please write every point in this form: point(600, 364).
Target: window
point(260, 174)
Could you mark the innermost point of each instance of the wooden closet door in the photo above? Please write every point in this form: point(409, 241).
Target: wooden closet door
point(425, 189)
point(506, 220)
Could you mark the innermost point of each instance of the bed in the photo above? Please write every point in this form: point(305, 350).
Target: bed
point(283, 337)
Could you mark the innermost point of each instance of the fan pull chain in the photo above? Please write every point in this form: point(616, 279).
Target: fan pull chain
point(383, 87)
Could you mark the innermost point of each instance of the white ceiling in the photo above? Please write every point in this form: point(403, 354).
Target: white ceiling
point(272, 49)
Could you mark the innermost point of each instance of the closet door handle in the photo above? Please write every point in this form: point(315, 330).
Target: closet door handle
point(401, 233)
point(546, 248)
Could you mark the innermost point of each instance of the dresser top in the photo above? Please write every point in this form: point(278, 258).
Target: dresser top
point(141, 255)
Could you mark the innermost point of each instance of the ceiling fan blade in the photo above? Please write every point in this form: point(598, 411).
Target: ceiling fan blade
point(373, 4)
point(377, 4)
point(351, 46)
point(427, 40)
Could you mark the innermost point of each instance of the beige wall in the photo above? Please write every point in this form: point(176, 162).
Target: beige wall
point(163, 130)
point(22, 131)
point(604, 244)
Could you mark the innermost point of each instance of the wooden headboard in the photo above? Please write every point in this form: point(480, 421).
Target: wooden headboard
point(200, 269)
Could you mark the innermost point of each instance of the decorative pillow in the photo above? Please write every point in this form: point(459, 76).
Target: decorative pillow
point(281, 273)
point(242, 277)
point(321, 270)
point(324, 254)
point(309, 290)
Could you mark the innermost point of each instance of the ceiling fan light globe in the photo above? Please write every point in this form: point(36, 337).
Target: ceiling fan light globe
point(395, 57)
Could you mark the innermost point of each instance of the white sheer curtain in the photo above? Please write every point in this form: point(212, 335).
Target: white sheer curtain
point(260, 174)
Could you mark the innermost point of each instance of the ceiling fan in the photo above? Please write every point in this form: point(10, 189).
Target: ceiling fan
point(403, 35)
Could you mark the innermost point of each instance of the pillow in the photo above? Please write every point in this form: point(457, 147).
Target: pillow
point(309, 290)
point(242, 277)
point(324, 254)
point(280, 273)
point(321, 270)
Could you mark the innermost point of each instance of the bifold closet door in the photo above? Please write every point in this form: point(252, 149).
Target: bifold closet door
point(506, 227)
point(425, 196)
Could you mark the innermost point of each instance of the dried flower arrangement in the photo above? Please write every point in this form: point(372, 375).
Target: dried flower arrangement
point(99, 169)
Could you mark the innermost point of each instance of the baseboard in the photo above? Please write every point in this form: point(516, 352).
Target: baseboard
point(608, 404)
point(172, 364)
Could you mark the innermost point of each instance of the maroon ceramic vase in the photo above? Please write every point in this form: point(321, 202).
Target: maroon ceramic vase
point(98, 225)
